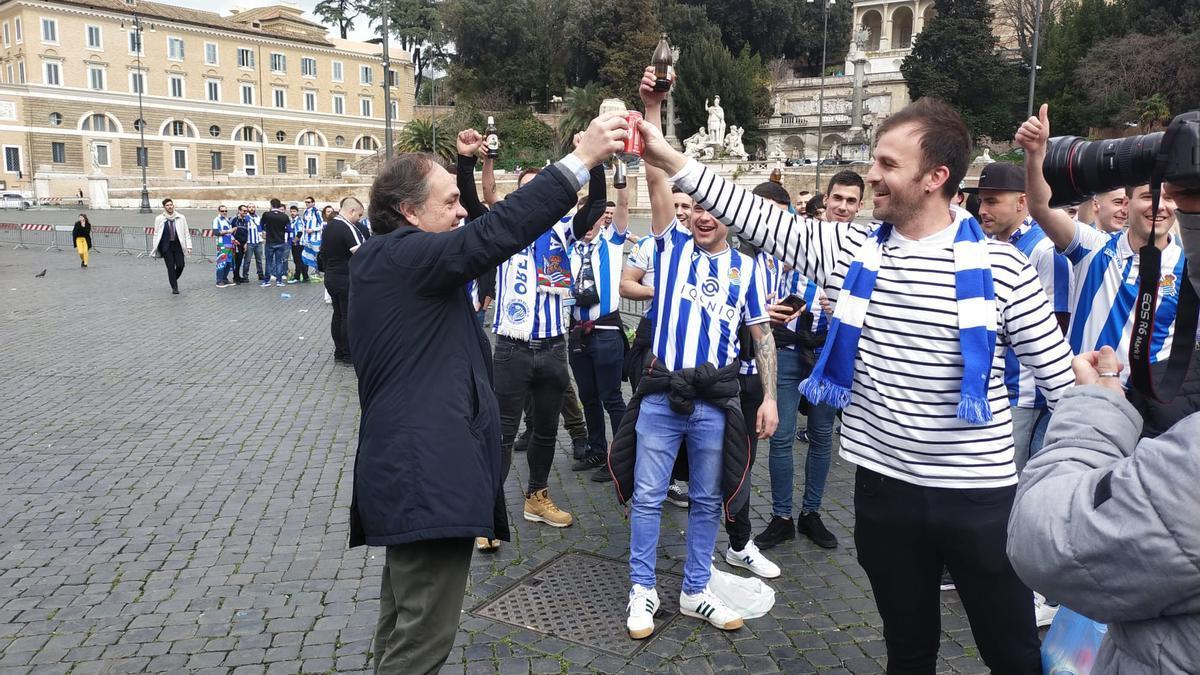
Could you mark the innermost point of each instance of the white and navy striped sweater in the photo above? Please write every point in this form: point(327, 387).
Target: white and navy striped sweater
point(902, 418)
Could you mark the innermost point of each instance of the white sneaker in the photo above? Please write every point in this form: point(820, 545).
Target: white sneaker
point(752, 559)
point(1043, 611)
point(705, 605)
point(643, 605)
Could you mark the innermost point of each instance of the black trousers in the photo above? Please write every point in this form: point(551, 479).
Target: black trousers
point(338, 286)
point(420, 604)
point(538, 370)
point(298, 263)
point(905, 533)
point(239, 254)
point(172, 255)
point(739, 529)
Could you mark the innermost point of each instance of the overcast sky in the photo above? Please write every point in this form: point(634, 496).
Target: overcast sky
point(360, 31)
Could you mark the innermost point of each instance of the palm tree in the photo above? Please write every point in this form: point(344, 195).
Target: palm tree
point(419, 136)
point(580, 106)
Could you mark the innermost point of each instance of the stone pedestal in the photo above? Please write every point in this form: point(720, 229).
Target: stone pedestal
point(98, 192)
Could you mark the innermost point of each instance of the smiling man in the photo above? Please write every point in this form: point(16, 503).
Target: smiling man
point(925, 308)
point(428, 472)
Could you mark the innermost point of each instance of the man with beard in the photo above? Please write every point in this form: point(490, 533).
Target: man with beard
point(925, 309)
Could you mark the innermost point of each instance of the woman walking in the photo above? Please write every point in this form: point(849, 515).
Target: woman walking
point(81, 234)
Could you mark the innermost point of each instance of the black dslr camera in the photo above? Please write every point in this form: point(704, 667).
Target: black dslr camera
point(1076, 168)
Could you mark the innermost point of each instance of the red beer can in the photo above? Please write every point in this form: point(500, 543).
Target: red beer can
point(633, 142)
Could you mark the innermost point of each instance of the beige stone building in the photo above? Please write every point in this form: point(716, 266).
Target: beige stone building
point(259, 93)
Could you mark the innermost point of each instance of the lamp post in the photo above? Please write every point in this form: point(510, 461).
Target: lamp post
point(1033, 66)
point(144, 156)
point(821, 96)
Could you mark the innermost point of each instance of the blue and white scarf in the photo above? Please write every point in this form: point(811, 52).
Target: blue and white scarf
point(834, 373)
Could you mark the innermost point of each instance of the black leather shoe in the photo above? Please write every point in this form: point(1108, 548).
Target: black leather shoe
point(810, 525)
point(778, 531)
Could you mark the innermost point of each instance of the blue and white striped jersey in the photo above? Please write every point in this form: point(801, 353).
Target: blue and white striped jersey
point(607, 253)
point(1054, 272)
point(254, 231)
point(772, 270)
point(1107, 275)
point(549, 312)
point(700, 299)
point(791, 282)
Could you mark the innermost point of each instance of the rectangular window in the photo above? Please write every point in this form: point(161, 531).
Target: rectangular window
point(393, 78)
point(175, 48)
point(210, 54)
point(96, 78)
point(310, 165)
point(310, 101)
point(339, 104)
point(308, 66)
point(6, 33)
point(337, 71)
point(135, 42)
point(52, 73)
point(21, 72)
point(366, 75)
point(278, 63)
point(141, 157)
point(180, 156)
point(216, 161)
point(102, 154)
point(365, 106)
point(281, 163)
point(50, 31)
point(280, 98)
point(340, 166)
point(17, 28)
point(58, 152)
point(176, 86)
point(94, 40)
point(137, 82)
point(245, 57)
point(250, 163)
point(213, 89)
point(395, 108)
point(12, 158)
point(247, 94)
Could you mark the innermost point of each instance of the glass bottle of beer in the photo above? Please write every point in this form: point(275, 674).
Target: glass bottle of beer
point(491, 139)
point(662, 60)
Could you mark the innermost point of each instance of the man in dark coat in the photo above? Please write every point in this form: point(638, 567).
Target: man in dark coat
point(428, 473)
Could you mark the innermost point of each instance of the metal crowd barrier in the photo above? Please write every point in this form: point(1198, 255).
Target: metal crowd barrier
point(118, 239)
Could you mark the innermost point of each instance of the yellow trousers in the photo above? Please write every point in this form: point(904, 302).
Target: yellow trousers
point(82, 247)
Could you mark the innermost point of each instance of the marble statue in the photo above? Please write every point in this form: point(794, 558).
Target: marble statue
point(776, 151)
point(693, 146)
point(733, 143)
point(861, 37)
point(716, 119)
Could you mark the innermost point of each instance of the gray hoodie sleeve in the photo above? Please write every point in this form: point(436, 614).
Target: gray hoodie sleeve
point(1106, 525)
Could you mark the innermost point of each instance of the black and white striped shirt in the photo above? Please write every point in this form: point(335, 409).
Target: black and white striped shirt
point(902, 417)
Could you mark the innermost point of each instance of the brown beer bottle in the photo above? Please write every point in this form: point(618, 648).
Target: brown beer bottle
point(491, 139)
point(662, 64)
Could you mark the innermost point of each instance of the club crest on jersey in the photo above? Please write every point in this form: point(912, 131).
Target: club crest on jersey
point(517, 310)
point(735, 276)
point(1166, 285)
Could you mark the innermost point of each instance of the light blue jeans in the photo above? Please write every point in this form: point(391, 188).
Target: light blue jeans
point(781, 463)
point(1029, 433)
point(659, 432)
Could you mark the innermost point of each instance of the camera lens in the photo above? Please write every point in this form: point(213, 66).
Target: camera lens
point(1077, 169)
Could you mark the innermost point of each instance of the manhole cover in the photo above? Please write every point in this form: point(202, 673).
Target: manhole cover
point(581, 598)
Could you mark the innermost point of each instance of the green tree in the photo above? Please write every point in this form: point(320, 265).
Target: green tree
point(417, 25)
point(580, 105)
point(505, 47)
point(1066, 41)
point(707, 69)
point(684, 22)
point(1142, 78)
point(613, 40)
point(421, 135)
point(955, 59)
point(340, 13)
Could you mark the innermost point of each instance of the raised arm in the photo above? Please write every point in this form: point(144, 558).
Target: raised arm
point(1032, 137)
point(489, 182)
point(468, 143)
point(594, 207)
point(621, 212)
point(808, 245)
point(662, 208)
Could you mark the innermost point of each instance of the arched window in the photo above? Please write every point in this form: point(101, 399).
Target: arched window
point(99, 122)
point(902, 26)
point(248, 133)
point(366, 143)
point(873, 22)
point(310, 138)
point(180, 128)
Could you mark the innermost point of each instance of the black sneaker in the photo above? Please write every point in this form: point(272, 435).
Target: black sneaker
point(778, 531)
point(947, 582)
point(522, 443)
point(810, 525)
point(602, 475)
point(579, 446)
point(588, 462)
point(677, 494)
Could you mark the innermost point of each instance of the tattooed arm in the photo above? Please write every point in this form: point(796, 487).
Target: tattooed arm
point(766, 359)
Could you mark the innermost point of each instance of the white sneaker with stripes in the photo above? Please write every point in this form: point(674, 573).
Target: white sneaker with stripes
point(752, 559)
point(705, 605)
point(643, 605)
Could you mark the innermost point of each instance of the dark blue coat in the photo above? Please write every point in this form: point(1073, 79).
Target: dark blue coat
point(429, 463)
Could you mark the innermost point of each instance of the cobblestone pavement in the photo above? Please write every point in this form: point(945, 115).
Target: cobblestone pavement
point(175, 473)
